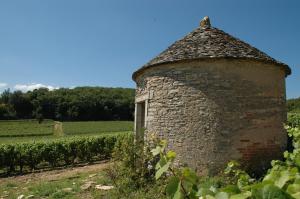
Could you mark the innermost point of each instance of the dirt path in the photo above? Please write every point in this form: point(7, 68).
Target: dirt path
point(54, 175)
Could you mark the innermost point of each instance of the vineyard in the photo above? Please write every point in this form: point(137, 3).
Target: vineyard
point(27, 145)
point(61, 152)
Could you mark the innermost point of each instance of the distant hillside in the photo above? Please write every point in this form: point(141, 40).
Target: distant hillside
point(293, 105)
point(81, 103)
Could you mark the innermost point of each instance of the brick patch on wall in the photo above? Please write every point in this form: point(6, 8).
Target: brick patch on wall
point(256, 156)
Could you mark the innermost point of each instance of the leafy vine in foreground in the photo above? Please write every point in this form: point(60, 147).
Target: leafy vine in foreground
point(281, 182)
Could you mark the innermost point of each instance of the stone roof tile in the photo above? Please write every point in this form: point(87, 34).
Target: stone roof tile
point(209, 42)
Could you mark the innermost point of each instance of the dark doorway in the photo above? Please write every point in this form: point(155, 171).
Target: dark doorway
point(140, 120)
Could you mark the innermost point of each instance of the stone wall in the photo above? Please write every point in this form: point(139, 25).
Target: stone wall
point(215, 111)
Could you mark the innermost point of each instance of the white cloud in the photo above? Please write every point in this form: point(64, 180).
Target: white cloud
point(30, 87)
point(3, 85)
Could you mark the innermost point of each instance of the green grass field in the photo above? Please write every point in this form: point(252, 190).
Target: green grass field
point(76, 128)
point(31, 130)
point(15, 128)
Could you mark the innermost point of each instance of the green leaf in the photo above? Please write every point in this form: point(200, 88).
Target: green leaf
point(272, 176)
point(243, 195)
point(243, 181)
point(209, 197)
point(231, 189)
point(293, 189)
point(156, 151)
point(222, 195)
point(283, 179)
point(173, 188)
point(157, 166)
point(162, 170)
point(163, 144)
point(204, 191)
point(280, 175)
point(269, 191)
point(161, 163)
point(190, 175)
point(297, 159)
point(171, 155)
point(296, 195)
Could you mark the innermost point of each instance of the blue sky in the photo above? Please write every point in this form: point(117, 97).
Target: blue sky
point(67, 43)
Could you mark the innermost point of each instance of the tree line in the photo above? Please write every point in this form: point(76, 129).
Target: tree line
point(77, 104)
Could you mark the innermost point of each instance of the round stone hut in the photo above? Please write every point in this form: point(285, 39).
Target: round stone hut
point(214, 98)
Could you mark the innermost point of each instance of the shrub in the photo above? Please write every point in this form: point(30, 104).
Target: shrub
point(133, 171)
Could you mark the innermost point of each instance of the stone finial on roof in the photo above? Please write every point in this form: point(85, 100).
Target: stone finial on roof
point(205, 22)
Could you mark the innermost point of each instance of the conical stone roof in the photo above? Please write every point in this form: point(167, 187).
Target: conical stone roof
point(207, 42)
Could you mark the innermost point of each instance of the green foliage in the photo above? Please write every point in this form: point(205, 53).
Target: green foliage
point(79, 104)
point(6, 111)
point(57, 153)
point(173, 187)
point(133, 169)
point(236, 174)
point(293, 105)
point(293, 119)
point(281, 182)
point(268, 191)
point(183, 183)
point(165, 160)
